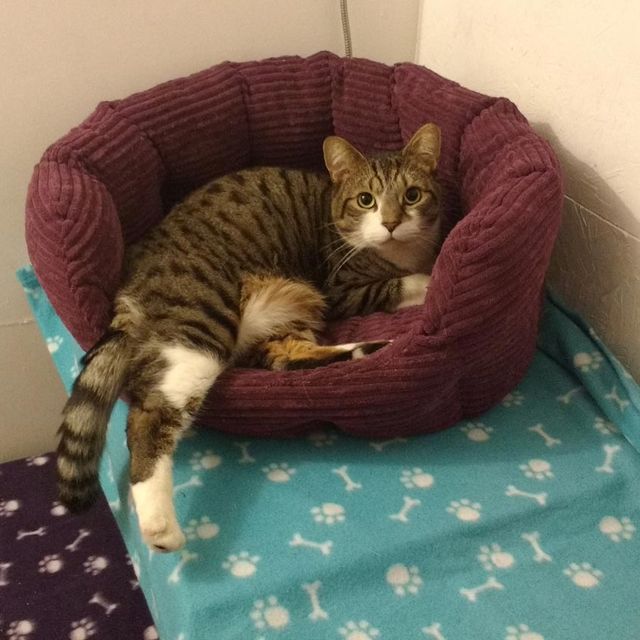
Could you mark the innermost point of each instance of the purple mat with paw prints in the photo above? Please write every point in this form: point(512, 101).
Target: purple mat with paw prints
point(63, 576)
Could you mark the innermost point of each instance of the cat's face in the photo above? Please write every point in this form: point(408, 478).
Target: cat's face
point(386, 202)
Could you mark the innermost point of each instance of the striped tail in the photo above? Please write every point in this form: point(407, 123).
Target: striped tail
point(86, 416)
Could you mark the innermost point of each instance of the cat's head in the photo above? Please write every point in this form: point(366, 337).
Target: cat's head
point(386, 201)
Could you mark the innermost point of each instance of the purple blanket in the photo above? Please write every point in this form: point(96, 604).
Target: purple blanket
point(62, 576)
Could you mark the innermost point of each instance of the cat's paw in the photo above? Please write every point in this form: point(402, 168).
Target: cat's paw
point(360, 350)
point(413, 290)
point(161, 533)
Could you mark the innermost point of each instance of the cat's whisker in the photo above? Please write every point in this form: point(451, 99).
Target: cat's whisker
point(343, 245)
point(350, 255)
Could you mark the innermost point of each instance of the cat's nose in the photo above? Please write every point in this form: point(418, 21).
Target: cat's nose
point(391, 225)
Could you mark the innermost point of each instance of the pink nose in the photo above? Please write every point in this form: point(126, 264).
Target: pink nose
point(391, 225)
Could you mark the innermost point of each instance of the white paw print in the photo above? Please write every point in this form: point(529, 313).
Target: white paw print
point(207, 460)
point(34, 294)
point(21, 629)
point(494, 557)
point(54, 343)
point(477, 431)
point(616, 529)
point(150, 633)
point(513, 399)
point(583, 575)
point(74, 369)
point(95, 565)
point(242, 565)
point(8, 508)
point(587, 361)
point(82, 629)
point(323, 438)
point(605, 427)
point(50, 564)
point(522, 632)
point(269, 614)
point(416, 478)
point(404, 579)
point(537, 469)
point(358, 631)
point(202, 529)
point(58, 509)
point(278, 473)
point(37, 461)
point(329, 513)
point(465, 510)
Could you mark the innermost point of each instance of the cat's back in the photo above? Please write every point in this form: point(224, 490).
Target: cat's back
point(256, 219)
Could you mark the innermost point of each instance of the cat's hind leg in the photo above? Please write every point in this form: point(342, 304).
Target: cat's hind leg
point(279, 318)
point(163, 405)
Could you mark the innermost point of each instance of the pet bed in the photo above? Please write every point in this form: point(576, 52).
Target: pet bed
point(521, 525)
point(115, 175)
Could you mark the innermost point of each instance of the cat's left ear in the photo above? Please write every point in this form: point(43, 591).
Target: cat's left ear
point(340, 157)
point(425, 143)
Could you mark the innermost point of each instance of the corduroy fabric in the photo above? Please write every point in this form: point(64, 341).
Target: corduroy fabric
point(115, 175)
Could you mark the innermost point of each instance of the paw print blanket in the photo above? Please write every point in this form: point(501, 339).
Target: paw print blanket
point(519, 525)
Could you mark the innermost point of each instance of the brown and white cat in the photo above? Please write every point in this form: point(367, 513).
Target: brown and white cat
point(243, 272)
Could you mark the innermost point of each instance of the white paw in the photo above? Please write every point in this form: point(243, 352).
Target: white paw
point(161, 533)
point(414, 290)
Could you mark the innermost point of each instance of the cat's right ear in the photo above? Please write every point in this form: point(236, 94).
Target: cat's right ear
point(341, 158)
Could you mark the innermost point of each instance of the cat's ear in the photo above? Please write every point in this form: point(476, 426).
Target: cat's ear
point(425, 143)
point(341, 158)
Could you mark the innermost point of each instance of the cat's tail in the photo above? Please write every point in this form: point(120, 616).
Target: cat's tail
point(86, 416)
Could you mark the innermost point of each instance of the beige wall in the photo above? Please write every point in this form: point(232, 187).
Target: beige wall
point(572, 68)
point(59, 59)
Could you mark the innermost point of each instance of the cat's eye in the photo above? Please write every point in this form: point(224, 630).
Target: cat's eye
point(366, 200)
point(412, 195)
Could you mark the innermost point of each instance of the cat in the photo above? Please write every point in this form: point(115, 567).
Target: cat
point(243, 272)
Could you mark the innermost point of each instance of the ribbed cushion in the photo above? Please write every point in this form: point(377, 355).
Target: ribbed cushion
point(113, 177)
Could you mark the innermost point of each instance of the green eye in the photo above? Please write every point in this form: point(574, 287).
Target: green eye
point(412, 195)
point(366, 200)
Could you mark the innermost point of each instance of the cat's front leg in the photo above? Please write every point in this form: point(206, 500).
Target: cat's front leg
point(413, 290)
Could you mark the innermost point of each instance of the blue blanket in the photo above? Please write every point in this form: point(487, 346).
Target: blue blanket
point(519, 525)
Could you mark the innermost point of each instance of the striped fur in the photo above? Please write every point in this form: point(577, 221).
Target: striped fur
point(244, 272)
point(86, 415)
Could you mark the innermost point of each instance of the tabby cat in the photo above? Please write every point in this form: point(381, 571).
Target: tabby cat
point(243, 272)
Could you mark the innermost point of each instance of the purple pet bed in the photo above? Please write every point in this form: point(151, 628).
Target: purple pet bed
point(113, 177)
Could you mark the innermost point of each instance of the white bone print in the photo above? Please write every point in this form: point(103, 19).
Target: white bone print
point(381, 446)
point(317, 612)
point(409, 504)
point(350, 485)
point(193, 481)
point(434, 630)
point(101, 601)
point(82, 534)
point(540, 498)
point(533, 539)
point(550, 441)
point(246, 457)
point(471, 594)
point(40, 531)
point(614, 397)
point(566, 398)
point(4, 573)
point(185, 558)
point(325, 548)
point(610, 451)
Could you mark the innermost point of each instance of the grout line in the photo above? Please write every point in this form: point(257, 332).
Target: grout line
point(17, 323)
point(602, 218)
